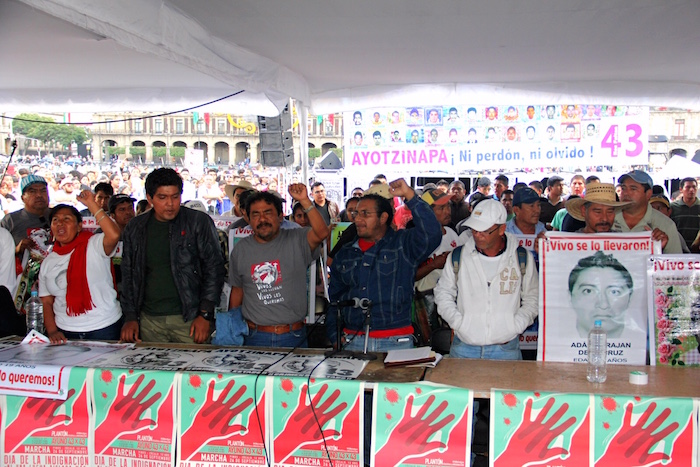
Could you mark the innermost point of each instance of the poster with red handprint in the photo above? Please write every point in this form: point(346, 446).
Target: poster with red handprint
point(222, 420)
point(48, 432)
point(316, 422)
point(648, 431)
point(134, 417)
point(422, 425)
point(539, 428)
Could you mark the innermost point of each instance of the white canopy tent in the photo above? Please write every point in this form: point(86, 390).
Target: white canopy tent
point(335, 55)
point(677, 167)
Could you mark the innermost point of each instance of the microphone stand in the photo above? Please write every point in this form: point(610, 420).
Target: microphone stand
point(364, 355)
point(339, 352)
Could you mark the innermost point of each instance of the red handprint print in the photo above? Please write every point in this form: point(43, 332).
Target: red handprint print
point(304, 422)
point(215, 416)
point(35, 414)
point(631, 444)
point(410, 437)
point(128, 409)
point(534, 437)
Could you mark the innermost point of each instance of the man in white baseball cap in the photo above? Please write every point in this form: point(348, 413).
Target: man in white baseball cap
point(488, 295)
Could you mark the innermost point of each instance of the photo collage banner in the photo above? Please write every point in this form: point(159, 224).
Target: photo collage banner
point(460, 138)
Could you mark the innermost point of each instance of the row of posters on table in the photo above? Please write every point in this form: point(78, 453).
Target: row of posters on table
point(160, 419)
point(41, 370)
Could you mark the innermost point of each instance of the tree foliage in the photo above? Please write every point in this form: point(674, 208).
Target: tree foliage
point(46, 129)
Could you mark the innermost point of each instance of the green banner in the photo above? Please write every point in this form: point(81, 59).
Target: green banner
point(316, 423)
point(537, 428)
point(222, 420)
point(644, 431)
point(421, 425)
point(134, 417)
point(49, 432)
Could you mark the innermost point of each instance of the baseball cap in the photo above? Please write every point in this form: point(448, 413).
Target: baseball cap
point(486, 214)
point(554, 179)
point(483, 182)
point(382, 190)
point(31, 180)
point(525, 195)
point(638, 176)
point(192, 204)
point(116, 200)
point(231, 189)
point(436, 197)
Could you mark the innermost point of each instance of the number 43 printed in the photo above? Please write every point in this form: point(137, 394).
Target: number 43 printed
point(631, 139)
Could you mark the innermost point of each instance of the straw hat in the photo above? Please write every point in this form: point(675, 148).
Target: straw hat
point(231, 189)
point(599, 193)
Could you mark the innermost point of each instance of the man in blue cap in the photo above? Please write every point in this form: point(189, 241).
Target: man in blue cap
point(34, 215)
point(639, 216)
point(527, 209)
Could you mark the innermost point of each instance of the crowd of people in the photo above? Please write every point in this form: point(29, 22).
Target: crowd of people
point(157, 273)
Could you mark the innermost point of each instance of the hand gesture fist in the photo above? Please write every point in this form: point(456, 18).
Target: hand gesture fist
point(298, 191)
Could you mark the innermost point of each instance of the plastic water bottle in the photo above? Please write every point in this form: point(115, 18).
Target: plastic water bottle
point(35, 313)
point(597, 353)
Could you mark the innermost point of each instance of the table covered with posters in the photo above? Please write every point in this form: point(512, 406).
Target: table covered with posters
point(146, 411)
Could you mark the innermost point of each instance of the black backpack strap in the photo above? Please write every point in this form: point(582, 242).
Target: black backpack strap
point(522, 260)
point(456, 253)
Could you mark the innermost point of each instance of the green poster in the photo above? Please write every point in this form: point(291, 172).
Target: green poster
point(421, 424)
point(133, 420)
point(537, 428)
point(316, 423)
point(222, 420)
point(49, 432)
point(643, 430)
point(337, 231)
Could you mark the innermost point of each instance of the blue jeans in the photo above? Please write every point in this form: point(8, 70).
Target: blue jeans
point(508, 351)
point(356, 343)
point(110, 333)
point(269, 339)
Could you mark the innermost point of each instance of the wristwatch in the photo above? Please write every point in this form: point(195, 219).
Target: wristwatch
point(308, 210)
point(208, 315)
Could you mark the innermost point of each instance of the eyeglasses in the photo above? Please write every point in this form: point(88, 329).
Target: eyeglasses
point(363, 214)
point(488, 232)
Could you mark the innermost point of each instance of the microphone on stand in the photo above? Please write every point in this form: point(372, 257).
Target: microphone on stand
point(363, 304)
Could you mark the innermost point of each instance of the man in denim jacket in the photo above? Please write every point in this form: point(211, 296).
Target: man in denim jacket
point(381, 266)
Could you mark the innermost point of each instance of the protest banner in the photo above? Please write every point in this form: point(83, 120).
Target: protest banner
point(635, 430)
point(49, 433)
point(144, 404)
point(533, 428)
point(421, 425)
point(588, 277)
point(222, 420)
point(41, 369)
point(511, 138)
point(674, 309)
point(316, 422)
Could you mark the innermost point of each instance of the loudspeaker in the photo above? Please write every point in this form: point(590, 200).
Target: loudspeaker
point(329, 161)
point(276, 144)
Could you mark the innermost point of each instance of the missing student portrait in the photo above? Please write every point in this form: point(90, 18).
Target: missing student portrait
point(589, 277)
point(600, 288)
